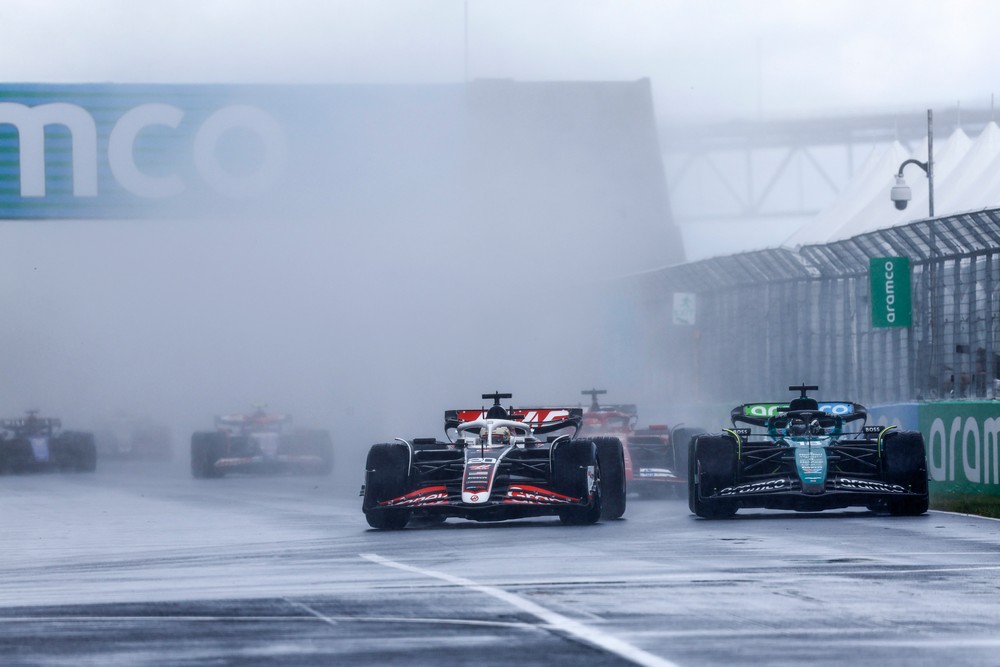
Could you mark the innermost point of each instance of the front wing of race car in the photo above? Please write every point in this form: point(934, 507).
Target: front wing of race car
point(512, 501)
point(506, 500)
point(785, 493)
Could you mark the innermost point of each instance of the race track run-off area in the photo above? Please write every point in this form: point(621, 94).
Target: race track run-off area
point(135, 565)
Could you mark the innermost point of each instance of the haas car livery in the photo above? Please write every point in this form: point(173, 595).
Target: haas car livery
point(497, 463)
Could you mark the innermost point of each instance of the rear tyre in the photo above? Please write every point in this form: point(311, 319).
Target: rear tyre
point(85, 450)
point(570, 463)
point(206, 448)
point(387, 476)
point(611, 457)
point(713, 468)
point(904, 462)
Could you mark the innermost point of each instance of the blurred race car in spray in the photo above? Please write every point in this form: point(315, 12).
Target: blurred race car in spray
point(33, 443)
point(125, 436)
point(259, 443)
point(655, 456)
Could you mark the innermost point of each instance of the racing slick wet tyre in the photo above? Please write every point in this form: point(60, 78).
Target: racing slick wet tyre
point(387, 476)
point(611, 457)
point(570, 463)
point(83, 451)
point(206, 448)
point(904, 462)
point(712, 468)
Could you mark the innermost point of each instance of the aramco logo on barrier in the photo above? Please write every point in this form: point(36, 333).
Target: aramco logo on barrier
point(890, 290)
point(83, 151)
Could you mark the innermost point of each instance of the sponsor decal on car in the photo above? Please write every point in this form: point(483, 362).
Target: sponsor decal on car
point(534, 495)
point(780, 484)
point(431, 495)
point(477, 481)
point(772, 409)
point(655, 473)
point(532, 417)
point(40, 449)
point(867, 485)
point(812, 462)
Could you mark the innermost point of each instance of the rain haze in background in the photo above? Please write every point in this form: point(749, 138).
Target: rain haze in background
point(426, 285)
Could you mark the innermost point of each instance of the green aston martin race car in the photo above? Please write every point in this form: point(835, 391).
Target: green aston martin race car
point(807, 456)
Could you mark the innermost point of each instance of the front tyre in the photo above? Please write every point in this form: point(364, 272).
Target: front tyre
point(572, 462)
point(713, 468)
point(387, 476)
point(206, 448)
point(611, 458)
point(82, 451)
point(904, 463)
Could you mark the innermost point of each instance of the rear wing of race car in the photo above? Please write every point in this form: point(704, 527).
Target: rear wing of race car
point(760, 414)
point(253, 421)
point(541, 420)
point(624, 408)
point(38, 423)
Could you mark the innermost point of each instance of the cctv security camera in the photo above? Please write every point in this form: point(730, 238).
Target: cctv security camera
point(900, 193)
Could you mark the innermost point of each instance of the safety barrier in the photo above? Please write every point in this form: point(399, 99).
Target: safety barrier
point(757, 322)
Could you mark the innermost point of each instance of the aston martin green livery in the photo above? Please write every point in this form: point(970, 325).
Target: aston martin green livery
point(808, 456)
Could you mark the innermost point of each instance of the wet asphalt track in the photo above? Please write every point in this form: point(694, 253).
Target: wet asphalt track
point(143, 565)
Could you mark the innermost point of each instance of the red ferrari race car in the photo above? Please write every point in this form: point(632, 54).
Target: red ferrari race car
point(259, 442)
point(655, 456)
point(496, 464)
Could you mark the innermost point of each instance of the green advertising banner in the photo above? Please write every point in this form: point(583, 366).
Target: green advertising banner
point(890, 290)
point(963, 446)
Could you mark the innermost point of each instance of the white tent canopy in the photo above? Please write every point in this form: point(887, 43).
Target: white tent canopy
point(867, 185)
point(966, 177)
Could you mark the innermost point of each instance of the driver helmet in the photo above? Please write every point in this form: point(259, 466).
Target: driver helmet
point(501, 436)
point(798, 427)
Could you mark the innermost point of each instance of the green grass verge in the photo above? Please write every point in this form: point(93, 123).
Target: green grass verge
point(968, 504)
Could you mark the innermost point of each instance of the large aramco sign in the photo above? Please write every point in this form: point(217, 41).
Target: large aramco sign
point(116, 150)
point(890, 290)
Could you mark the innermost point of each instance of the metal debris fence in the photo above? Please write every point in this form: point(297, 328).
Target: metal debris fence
point(771, 318)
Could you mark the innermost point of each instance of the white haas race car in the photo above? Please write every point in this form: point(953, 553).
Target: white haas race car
point(497, 464)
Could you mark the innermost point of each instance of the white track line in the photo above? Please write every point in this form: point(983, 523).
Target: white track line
point(309, 610)
point(311, 617)
point(557, 622)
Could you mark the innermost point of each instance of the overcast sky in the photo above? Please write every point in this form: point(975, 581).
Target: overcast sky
point(167, 317)
point(736, 58)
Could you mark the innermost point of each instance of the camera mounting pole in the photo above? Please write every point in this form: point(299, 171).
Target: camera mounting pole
point(901, 192)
